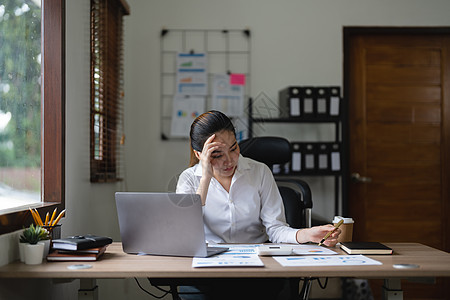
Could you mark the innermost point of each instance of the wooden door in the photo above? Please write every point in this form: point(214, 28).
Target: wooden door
point(397, 85)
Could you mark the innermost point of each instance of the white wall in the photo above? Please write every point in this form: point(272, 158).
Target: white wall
point(294, 42)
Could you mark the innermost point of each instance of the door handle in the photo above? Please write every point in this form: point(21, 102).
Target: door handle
point(356, 177)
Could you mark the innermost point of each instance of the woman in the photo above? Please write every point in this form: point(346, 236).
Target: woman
point(240, 197)
point(241, 201)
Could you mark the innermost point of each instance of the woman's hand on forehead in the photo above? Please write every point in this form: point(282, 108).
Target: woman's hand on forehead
point(224, 140)
point(210, 143)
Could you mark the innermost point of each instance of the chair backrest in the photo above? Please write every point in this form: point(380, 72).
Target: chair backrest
point(267, 149)
point(295, 193)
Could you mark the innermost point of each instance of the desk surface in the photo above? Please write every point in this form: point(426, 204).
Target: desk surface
point(117, 264)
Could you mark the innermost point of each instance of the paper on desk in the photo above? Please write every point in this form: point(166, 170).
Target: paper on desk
point(335, 260)
point(303, 249)
point(236, 256)
point(240, 249)
point(311, 250)
point(241, 260)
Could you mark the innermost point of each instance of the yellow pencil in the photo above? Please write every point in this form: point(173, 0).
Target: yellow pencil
point(330, 232)
point(53, 217)
point(38, 218)
point(34, 217)
point(46, 219)
point(58, 218)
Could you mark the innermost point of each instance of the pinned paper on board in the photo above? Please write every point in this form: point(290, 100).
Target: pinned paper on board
point(227, 98)
point(185, 110)
point(192, 77)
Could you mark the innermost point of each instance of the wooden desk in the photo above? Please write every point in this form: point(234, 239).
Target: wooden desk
point(116, 264)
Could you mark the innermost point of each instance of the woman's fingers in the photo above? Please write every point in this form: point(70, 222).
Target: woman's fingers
point(209, 149)
point(210, 146)
point(333, 238)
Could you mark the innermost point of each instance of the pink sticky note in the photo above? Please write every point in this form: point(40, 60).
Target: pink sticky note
point(237, 79)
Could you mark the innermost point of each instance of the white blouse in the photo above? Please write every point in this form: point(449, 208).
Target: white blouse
point(252, 212)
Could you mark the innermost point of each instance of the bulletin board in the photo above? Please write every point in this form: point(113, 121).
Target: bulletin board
point(227, 51)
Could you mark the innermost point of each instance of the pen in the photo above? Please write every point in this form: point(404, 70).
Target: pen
point(330, 232)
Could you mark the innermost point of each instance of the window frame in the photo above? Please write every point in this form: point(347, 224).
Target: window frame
point(52, 119)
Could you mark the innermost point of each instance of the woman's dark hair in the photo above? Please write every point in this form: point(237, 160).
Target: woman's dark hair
point(204, 126)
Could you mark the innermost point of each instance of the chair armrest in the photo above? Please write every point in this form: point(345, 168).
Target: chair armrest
point(300, 185)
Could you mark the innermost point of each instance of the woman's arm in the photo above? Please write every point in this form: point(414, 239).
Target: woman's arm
point(315, 234)
point(272, 216)
point(272, 209)
point(205, 158)
point(203, 189)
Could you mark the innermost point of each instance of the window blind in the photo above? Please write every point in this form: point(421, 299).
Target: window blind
point(107, 95)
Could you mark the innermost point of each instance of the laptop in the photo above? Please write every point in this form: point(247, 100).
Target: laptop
point(162, 224)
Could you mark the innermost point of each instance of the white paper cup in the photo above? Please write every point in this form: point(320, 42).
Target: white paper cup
point(346, 228)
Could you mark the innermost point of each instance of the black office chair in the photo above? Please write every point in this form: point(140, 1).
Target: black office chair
point(295, 193)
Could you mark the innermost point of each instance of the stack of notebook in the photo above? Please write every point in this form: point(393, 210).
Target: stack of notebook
point(365, 248)
point(79, 248)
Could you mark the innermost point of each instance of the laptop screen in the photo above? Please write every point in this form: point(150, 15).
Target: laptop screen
point(161, 223)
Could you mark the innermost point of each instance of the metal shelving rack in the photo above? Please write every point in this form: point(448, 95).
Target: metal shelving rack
point(228, 51)
point(337, 122)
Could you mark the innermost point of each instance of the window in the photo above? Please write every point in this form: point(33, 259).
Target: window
point(106, 89)
point(20, 103)
point(50, 64)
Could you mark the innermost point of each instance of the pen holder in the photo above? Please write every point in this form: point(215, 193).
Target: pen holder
point(54, 231)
